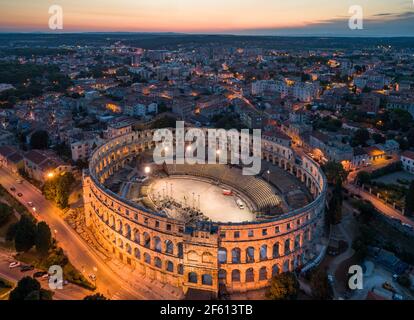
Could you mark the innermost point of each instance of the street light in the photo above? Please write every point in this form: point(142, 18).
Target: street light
point(50, 175)
point(147, 170)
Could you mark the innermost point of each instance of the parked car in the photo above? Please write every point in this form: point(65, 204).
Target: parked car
point(388, 286)
point(14, 264)
point(26, 268)
point(13, 189)
point(30, 204)
point(39, 274)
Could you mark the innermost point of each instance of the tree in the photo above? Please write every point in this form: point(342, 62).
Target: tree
point(335, 205)
point(96, 296)
point(334, 172)
point(58, 189)
point(409, 200)
point(363, 177)
point(39, 140)
point(24, 238)
point(284, 286)
point(404, 280)
point(321, 288)
point(29, 289)
point(5, 213)
point(378, 138)
point(43, 239)
point(360, 138)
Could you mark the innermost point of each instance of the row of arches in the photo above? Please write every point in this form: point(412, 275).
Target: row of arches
point(144, 239)
point(265, 252)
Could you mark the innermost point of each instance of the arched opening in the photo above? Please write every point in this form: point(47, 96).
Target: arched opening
point(222, 276)
point(170, 266)
point(222, 255)
point(157, 244)
point(157, 262)
point(147, 258)
point(276, 252)
point(180, 250)
point(250, 275)
point(136, 236)
point(249, 255)
point(286, 266)
point(263, 273)
point(127, 231)
point(128, 248)
point(180, 269)
point(275, 270)
point(137, 253)
point(147, 240)
point(297, 241)
point(235, 276)
point(236, 255)
point(207, 280)
point(287, 246)
point(192, 277)
point(263, 252)
point(169, 247)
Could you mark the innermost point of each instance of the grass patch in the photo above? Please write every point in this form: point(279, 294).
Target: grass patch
point(5, 288)
point(3, 229)
point(15, 204)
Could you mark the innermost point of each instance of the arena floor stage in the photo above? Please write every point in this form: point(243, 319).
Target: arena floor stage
point(203, 195)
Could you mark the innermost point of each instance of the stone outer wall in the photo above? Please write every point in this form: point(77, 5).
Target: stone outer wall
point(243, 256)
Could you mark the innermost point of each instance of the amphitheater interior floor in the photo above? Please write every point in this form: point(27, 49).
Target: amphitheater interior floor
point(213, 203)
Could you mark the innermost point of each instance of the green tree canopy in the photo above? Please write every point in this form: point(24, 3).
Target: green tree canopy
point(409, 200)
point(321, 288)
point(96, 296)
point(43, 239)
point(39, 140)
point(284, 286)
point(360, 138)
point(5, 213)
point(334, 172)
point(25, 233)
point(29, 289)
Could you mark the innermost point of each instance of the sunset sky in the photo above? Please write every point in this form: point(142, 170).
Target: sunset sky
point(278, 17)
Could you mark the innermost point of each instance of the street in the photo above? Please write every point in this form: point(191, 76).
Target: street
point(69, 291)
point(381, 207)
point(82, 256)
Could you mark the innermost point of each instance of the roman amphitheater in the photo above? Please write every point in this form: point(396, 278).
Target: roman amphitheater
point(205, 226)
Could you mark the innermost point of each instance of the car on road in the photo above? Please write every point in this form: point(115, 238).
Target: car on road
point(14, 264)
point(13, 189)
point(92, 277)
point(30, 204)
point(19, 181)
point(39, 274)
point(26, 268)
point(20, 194)
point(407, 225)
point(388, 286)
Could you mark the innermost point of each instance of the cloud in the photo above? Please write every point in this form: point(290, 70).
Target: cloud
point(381, 24)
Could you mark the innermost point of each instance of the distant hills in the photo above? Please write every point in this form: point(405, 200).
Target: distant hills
point(174, 40)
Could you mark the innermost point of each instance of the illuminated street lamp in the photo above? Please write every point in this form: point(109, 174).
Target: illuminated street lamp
point(189, 148)
point(50, 175)
point(147, 170)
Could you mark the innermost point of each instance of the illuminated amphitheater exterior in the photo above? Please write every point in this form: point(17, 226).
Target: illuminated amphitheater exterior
point(243, 256)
